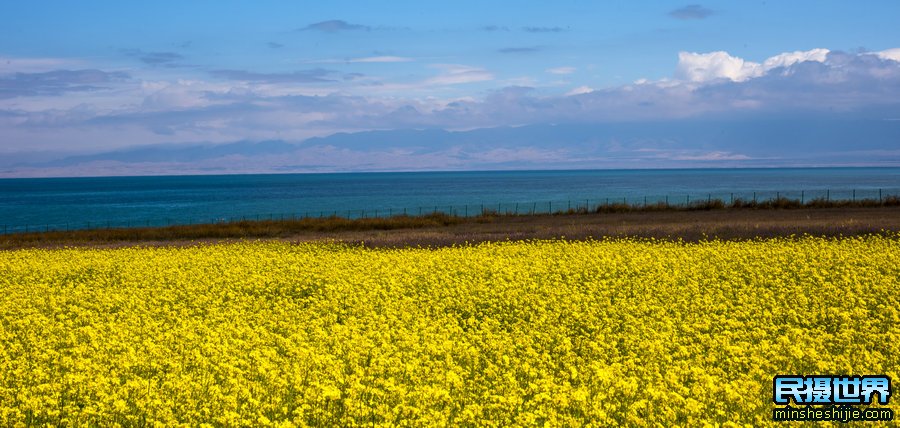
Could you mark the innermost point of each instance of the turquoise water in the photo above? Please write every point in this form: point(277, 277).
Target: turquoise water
point(59, 203)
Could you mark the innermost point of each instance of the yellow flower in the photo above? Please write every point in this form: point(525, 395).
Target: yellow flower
point(560, 333)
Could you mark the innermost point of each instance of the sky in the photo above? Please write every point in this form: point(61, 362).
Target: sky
point(165, 87)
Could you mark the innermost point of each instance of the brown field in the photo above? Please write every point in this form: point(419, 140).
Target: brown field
point(443, 230)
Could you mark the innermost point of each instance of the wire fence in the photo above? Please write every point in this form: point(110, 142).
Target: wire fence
point(598, 204)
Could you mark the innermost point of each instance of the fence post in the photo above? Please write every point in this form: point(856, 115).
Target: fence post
point(644, 202)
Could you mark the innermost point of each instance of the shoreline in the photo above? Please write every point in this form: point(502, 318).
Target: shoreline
point(441, 230)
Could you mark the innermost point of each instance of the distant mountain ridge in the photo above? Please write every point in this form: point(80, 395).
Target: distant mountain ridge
point(179, 153)
point(681, 143)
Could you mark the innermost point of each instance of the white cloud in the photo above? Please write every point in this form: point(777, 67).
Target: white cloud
point(372, 59)
point(790, 58)
point(181, 94)
point(455, 74)
point(697, 67)
point(561, 70)
point(891, 54)
point(367, 59)
point(580, 90)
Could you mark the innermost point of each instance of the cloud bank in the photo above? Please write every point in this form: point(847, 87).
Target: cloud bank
point(856, 94)
point(696, 67)
point(57, 82)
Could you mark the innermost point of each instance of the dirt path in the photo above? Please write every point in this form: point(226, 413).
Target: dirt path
point(690, 226)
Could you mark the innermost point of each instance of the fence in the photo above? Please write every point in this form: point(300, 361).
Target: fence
point(685, 200)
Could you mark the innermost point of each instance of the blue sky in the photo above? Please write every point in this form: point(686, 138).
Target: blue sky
point(83, 78)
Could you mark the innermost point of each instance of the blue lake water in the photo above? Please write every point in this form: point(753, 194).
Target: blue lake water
point(59, 203)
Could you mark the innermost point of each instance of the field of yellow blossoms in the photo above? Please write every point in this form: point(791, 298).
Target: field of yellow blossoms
point(602, 333)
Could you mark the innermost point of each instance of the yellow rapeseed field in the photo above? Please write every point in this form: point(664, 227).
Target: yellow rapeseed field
point(602, 333)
